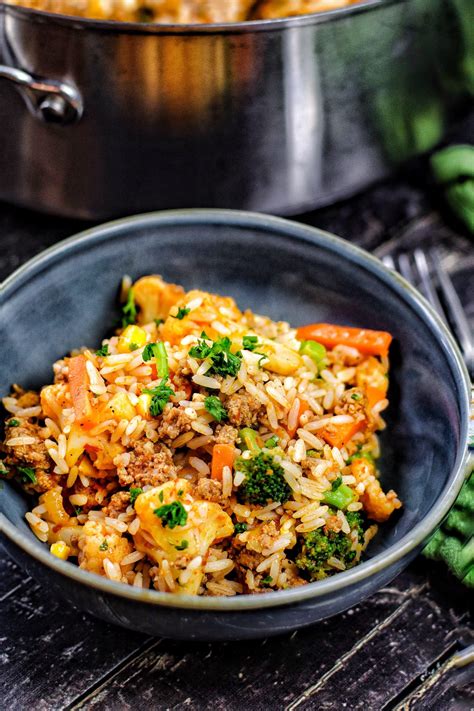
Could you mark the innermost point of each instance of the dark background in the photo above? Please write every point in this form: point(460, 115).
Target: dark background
point(394, 651)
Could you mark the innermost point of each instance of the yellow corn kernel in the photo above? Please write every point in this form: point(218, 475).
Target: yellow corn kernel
point(132, 337)
point(143, 406)
point(120, 407)
point(60, 550)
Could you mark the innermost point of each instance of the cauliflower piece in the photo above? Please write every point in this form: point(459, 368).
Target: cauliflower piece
point(378, 505)
point(183, 532)
point(96, 542)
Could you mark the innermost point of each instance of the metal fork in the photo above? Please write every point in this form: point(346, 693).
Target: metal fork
point(424, 269)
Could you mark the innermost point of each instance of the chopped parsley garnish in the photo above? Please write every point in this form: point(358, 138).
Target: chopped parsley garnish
point(240, 527)
point(104, 545)
point(159, 321)
point(160, 397)
point(223, 362)
point(103, 351)
point(135, 492)
point(267, 581)
point(27, 474)
point(180, 492)
point(172, 515)
point(215, 408)
point(182, 547)
point(133, 347)
point(336, 483)
point(158, 352)
point(356, 396)
point(13, 423)
point(271, 442)
point(182, 312)
point(3, 469)
point(249, 343)
point(129, 310)
point(161, 496)
point(77, 510)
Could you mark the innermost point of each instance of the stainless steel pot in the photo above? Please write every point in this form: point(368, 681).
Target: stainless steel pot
point(280, 116)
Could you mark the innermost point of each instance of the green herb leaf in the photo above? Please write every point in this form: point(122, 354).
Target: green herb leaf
point(356, 396)
point(336, 483)
point(215, 408)
point(223, 362)
point(172, 515)
point(13, 423)
point(104, 545)
point(271, 442)
point(182, 547)
point(77, 510)
point(129, 310)
point(161, 396)
point(240, 527)
point(27, 474)
point(159, 321)
point(266, 581)
point(182, 312)
point(249, 343)
point(103, 351)
point(133, 347)
point(161, 496)
point(135, 492)
point(3, 469)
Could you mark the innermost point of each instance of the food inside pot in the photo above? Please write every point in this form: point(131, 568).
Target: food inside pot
point(184, 11)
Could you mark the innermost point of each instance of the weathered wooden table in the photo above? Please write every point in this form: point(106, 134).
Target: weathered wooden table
point(394, 651)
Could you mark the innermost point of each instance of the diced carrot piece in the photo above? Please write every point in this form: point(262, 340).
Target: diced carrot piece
point(331, 335)
point(340, 435)
point(78, 387)
point(303, 407)
point(222, 456)
point(374, 395)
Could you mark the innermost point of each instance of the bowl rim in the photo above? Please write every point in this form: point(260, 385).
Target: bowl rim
point(301, 233)
point(243, 27)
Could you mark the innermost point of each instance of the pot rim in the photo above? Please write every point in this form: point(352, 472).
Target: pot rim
point(407, 545)
point(245, 27)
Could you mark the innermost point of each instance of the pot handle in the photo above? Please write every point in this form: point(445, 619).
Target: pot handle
point(48, 100)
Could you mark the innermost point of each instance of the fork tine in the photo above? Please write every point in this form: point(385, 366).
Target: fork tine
point(389, 262)
point(426, 282)
point(456, 311)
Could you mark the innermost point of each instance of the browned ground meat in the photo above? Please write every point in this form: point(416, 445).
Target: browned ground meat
point(243, 409)
point(349, 406)
point(226, 434)
point(118, 504)
point(149, 464)
point(209, 490)
point(97, 492)
point(173, 423)
point(32, 455)
point(46, 481)
point(333, 523)
point(248, 559)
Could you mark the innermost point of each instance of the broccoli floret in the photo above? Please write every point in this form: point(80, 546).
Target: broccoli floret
point(317, 547)
point(264, 480)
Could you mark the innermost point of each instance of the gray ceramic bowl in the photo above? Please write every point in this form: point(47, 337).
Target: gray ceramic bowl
point(67, 297)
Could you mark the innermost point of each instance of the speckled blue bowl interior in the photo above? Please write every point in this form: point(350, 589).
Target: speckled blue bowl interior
point(274, 267)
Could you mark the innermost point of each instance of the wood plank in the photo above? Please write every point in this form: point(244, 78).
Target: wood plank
point(243, 674)
point(52, 652)
point(392, 659)
point(11, 576)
